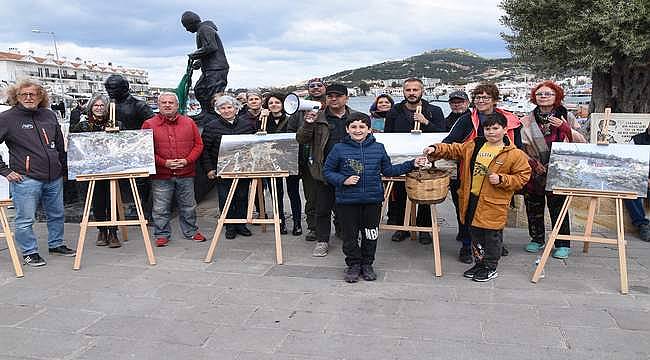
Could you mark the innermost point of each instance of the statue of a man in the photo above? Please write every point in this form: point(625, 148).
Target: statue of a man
point(210, 57)
point(129, 111)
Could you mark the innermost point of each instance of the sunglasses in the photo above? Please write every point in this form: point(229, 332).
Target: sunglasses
point(315, 85)
point(546, 94)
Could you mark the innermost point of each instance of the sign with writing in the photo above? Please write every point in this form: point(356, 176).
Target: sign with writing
point(621, 127)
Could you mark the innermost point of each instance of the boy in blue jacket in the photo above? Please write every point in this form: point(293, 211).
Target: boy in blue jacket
point(354, 167)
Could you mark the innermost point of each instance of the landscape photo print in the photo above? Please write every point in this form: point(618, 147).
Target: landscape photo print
point(258, 154)
point(614, 167)
point(96, 153)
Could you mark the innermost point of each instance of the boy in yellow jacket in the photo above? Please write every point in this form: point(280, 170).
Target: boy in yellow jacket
point(491, 170)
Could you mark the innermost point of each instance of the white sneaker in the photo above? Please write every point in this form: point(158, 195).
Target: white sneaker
point(320, 250)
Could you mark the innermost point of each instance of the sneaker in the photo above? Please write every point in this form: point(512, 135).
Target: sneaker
point(469, 273)
point(484, 274)
point(368, 273)
point(283, 229)
point(352, 273)
point(198, 237)
point(320, 250)
point(161, 241)
point(400, 235)
point(297, 230)
point(561, 253)
point(425, 238)
point(505, 251)
point(33, 260)
point(102, 238)
point(311, 235)
point(465, 255)
point(243, 231)
point(644, 232)
point(62, 250)
point(533, 247)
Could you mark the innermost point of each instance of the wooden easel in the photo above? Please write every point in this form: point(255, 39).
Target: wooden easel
point(410, 214)
point(416, 125)
point(10, 239)
point(587, 238)
point(256, 179)
point(114, 194)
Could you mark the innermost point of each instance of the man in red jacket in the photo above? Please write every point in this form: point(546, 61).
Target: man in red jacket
point(177, 147)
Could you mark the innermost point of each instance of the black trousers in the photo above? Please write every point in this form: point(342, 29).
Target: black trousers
point(463, 230)
point(102, 203)
point(535, 213)
point(397, 205)
point(309, 191)
point(324, 207)
point(364, 218)
point(293, 190)
point(239, 203)
point(486, 246)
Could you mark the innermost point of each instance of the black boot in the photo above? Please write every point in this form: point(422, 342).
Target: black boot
point(283, 228)
point(297, 230)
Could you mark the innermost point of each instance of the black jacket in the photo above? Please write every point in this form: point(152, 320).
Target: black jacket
point(209, 48)
point(75, 116)
point(132, 113)
point(211, 137)
point(453, 117)
point(464, 127)
point(400, 120)
point(35, 143)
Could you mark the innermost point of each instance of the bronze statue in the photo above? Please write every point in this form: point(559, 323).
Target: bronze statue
point(210, 57)
point(130, 112)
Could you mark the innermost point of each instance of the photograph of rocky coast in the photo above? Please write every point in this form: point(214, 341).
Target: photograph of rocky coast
point(258, 153)
point(614, 167)
point(403, 147)
point(108, 153)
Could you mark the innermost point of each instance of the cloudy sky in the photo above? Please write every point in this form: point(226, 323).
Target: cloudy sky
point(267, 42)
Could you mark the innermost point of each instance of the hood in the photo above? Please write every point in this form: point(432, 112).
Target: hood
point(208, 23)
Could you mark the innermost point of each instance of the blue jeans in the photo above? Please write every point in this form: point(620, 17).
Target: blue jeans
point(637, 212)
point(163, 194)
point(26, 196)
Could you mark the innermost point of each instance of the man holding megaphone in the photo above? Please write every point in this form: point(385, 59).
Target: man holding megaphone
point(321, 131)
point(316, 88)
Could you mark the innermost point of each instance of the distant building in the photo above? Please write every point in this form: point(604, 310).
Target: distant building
point(77, 77)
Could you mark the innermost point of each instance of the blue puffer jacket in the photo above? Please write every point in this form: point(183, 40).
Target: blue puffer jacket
point(368, 160)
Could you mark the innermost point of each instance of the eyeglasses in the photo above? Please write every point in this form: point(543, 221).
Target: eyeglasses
point(26, 95)
point(99, 105)
point(315, 85)
point(482, 98)
point(546, 94)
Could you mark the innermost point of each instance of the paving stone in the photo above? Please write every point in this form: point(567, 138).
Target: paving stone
point(289, 319)
point(62, 320)
point(571, 317)
point(109, 348)
point(342, 346)
point(246, 339)
point(273, 299)
point(524, 333)
point(31, 343)
point(624, 343)
point(329, 303)
point(152, 329)
point(13, 314)
point(631, 320)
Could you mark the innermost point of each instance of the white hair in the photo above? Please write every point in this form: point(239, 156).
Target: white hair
point(168, 93)
point(227, 99)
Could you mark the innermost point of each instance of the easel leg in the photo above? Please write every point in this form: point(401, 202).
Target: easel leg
point(407, 217)
point(260, 198)
point(389, 189)
point(551, 241)
point(436, 241)
point(590, 223)
point(124, 230)
point(276, 221)
point(84, 225)
point(622, 260)
point(252, 190)
point(10, 242)
point(143, 222)
point(222, 221)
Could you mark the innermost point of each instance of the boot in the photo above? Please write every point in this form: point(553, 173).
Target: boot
point(113, 241)
point(102, 237)
point(283, 228)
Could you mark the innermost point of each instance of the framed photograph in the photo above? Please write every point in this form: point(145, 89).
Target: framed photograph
point(102, 152)
point(407, 146)
point(258, 153)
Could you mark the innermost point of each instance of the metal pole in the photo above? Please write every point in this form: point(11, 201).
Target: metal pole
point(56, 52)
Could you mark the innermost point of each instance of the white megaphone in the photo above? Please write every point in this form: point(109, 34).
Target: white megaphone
point(293, 104)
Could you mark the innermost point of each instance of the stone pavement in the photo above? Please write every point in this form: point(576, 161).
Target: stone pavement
point(244, 306)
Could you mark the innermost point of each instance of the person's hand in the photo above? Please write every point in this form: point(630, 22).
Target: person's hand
point(429, 150)
point(310, 116)
point(556, 122)
point(421, 161)
point(170, 163)
point(494, 179)
point(14, 177)
point(421, 119)
point(265, 112)
point(352, 180)
point(212, 174)
point(540, 168)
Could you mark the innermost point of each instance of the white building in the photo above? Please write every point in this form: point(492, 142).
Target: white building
point(76, 77)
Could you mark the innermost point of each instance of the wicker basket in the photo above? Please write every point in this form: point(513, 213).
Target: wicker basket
point(427, 186)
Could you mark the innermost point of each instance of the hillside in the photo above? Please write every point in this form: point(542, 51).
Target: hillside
point(448, 65)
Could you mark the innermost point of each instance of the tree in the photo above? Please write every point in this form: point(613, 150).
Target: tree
point(611, 38)
point(364, 87)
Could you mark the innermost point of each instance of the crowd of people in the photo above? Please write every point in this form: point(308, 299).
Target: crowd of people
point(340, 166)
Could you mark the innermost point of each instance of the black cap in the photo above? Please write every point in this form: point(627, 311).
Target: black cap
point(337, 89)
point(459, 95)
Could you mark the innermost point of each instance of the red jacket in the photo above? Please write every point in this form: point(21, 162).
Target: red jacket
point(178, 139)
point(513, 123)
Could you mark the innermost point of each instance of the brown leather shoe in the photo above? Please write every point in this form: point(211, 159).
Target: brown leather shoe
point(102, 239)
point(113, 241)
